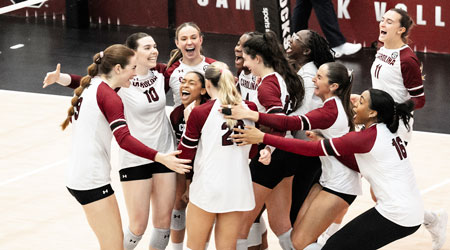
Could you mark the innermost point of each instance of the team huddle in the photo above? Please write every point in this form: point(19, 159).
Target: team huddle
point(284, 135)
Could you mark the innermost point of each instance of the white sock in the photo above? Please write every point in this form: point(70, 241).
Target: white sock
point(177, 246)
point(429, 217)
point(285, 240)
point(206, 245)
point(130, 240)
point(241, 244)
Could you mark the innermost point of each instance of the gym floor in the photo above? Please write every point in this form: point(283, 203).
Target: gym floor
point(37, 210)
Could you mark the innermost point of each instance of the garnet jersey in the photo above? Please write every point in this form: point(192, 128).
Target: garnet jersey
point(175, 73)
point(145, 110)
point(332, 121)
point(397, 71)
point(98, 115)
point(248, 86)
point(178, 122)
point(383, 161)
point(222, 181)
point(273, 96)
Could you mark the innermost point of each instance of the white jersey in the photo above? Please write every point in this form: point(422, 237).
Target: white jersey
point(383, 161)
point(248, 86)
point(335, 175)
point(145, 112)
point(176, 72)
point(310, 101)
point(98, 115)
point(222, 182)
point(397, 71)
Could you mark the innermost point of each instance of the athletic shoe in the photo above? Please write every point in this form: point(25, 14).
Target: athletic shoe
point(438, 228)
point(347, 49)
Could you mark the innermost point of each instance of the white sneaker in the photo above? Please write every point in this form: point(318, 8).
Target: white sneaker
point(347, 49)
point(438, 228)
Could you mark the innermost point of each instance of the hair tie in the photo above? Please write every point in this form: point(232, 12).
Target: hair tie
point(99, 59)
point(221, 71)
point(350, 75)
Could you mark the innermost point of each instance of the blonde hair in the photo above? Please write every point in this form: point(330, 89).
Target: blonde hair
point(103, 63)
point(221, 78)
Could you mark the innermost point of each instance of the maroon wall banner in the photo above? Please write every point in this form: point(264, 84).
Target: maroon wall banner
point(358, 19)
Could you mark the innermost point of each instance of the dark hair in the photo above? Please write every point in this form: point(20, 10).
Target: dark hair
point(103, 63)
point(267, 46)
point(176, 54)
point(320, 49)
point(338, 73)
point(390, 112)
point(201, 77)
point(131, 41)
point(405, 21)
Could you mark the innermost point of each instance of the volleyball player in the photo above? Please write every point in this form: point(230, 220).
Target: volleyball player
point(280, 90)
point(221, 188)
point(97, 114)
point(397, 70)
point(247, 84)
point(192, 91)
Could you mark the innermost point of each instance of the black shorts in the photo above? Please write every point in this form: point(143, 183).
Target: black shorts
point(142, 172)
point(281, 165)
point(349, 198)
point(87, 196)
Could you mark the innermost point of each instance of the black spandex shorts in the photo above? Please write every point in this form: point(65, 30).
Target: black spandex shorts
point(142, 172)
point(281, 165)
point(87, 196)
point(349, 198)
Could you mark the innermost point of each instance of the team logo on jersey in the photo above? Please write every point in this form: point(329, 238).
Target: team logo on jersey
point(205, 67)
point(180, 70)
point(394, 55)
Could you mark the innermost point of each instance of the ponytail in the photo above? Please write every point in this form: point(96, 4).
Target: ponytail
point(267, 46)
point(103, 63)
point(338, 73)
point(175, 55)
point(390, 112)
point(222, 79)
point(84, 83)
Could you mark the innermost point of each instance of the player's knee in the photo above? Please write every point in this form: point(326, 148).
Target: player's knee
point(159, 238)
point(178, 220)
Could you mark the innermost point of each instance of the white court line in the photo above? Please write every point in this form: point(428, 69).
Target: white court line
point(20, 177)
point(436, 186)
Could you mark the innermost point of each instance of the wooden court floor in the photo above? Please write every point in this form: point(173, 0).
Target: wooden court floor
point(37, 212)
